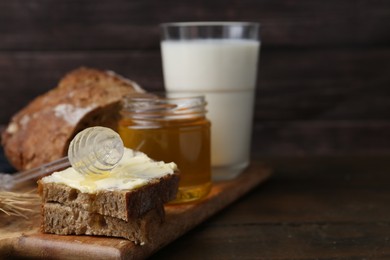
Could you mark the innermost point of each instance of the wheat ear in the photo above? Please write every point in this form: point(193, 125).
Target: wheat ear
point(18, 204)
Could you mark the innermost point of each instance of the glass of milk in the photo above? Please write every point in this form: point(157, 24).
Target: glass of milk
point(218, 60)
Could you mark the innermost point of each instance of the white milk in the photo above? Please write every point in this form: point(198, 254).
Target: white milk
point(225, 72)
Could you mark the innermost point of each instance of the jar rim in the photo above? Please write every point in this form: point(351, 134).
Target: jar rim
point(164, 105)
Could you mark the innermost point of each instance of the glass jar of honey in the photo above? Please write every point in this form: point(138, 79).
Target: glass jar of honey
point(171, 129)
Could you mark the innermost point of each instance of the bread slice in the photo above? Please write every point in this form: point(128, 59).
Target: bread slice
point(121, 204)
point(41, 132)
point(65, 220)
point(126, 202)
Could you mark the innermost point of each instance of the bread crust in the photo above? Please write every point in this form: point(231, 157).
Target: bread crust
point(121, 204)
point(41, 131)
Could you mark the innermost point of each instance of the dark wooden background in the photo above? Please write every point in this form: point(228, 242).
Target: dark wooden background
point(324, 84)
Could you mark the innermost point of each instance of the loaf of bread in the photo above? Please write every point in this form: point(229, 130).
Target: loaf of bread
point(41, 132)
point(64, 220)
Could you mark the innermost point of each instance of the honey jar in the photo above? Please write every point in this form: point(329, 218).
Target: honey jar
point(171, 129)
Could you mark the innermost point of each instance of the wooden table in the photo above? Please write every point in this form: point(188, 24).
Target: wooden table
point(312, 208)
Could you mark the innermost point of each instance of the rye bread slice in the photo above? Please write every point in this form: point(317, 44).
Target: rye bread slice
point(64, 220)
point(121, 204)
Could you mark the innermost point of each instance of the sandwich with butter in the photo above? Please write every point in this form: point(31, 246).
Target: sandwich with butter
point(126, 202)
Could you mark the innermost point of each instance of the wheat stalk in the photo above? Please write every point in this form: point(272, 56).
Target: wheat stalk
point(18, 204)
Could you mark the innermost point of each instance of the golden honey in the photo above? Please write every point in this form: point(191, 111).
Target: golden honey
point(172, 130)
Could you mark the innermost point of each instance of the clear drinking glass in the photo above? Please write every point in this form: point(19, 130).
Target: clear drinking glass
point(218, 60)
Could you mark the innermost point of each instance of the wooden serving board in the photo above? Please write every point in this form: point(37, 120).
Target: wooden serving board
point(21, 237)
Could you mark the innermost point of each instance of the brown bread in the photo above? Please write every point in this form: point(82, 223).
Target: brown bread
point(121, 204)
point(65, 220)
point(41, 132)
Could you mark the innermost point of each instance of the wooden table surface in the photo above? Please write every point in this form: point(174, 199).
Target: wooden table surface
point(312, 208)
